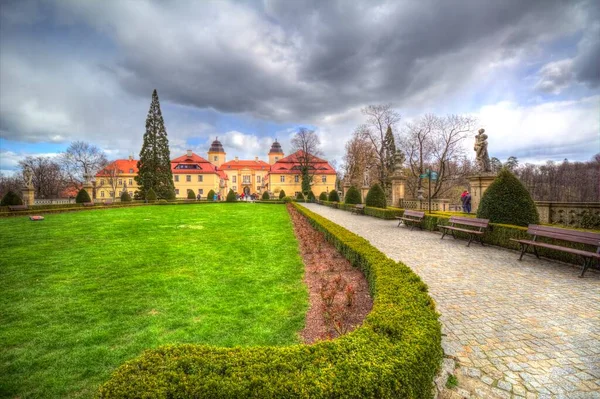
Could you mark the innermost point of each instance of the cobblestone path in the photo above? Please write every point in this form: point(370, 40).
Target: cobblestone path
point(517, 329)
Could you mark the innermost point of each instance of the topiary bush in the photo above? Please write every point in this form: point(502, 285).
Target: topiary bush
point(82, 197)
point(151, 195)
point(190, 194)
point(211, 195)
point(323, 196)
point(287, 199)
point(507, 201)
point(311, 196)
point(353, 196)
point(11, 198)
point(299, 196)
point(171, 196)
point(230, 196)
point(266, 196)
point(333, 196)
point(281, 194)
point(125, 197)
point(376, 197)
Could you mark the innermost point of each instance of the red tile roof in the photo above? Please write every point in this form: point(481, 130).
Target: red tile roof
point(123, 165)
point(242, 163)
point(291, 165)
point(203, 166)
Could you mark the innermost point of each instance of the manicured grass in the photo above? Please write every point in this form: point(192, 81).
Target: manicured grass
point(83, 292)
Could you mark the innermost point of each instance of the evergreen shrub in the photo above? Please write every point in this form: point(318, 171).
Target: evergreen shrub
point(230, 196)
point(266, 196)
point(151, 196)
point(353, 196)
point(281, 194)
point(171, 196)
point(323, 196)
point(507, 201)
point(287, 199)
point(376, 197)
point(82, 197)
point(396, 353)
point(311, 196)
point(333, 196)
point(125, 197)
point(299, 196)
point(190, 194)
point(211, 195)
point(10, 199)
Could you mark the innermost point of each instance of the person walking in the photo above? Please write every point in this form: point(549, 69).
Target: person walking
point(462, 200)
point(468, 202)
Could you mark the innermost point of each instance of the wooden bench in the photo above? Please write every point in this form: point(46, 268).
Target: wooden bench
point(108, 202)
point(414, 218)
point(18, 207)
point(88, 204)
point(575, 236)
point(476, 228)
point(358, 209)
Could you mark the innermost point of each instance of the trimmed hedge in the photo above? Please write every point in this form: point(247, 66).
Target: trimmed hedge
point(323, 196)
point(311, 196)
point(396, 353)
point(376, 197)
point(333, 196)
point(82, 197)
point(281, 194)
point(266, 196)
point(211, 195)
point(299, 196)
point(190, 194)
point(125, 197)
point(230, 196)
point(151, 196)
point(353, 196)
point(507, 201)
point(10, 199)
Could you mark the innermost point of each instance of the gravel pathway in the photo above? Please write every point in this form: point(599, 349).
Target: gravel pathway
point(526, 329)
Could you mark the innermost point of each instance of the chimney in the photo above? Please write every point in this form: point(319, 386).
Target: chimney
point(189, 153)
point(256, 159)
point(236, 159)
point(131, 157)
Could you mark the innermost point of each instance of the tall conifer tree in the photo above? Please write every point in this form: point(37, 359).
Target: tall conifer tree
point(155, 158)
point(389, 147)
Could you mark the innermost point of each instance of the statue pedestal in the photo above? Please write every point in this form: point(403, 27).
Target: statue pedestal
point(398, 185)
point(28, 196)
point(345, 189)
point(363, 192)
point(87, 186)
point(479, 183)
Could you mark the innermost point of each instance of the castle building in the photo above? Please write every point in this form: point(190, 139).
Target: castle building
point(192, 172)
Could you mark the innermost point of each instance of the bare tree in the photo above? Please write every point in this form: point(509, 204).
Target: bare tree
point(435, 143)
point(81, 159)
point(379, 119)
point(307, 143)
point(48, 177)
point(360, 155)
point(111, 177)
point(10, 183)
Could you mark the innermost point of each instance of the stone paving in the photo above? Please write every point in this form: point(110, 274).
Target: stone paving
point(528, 329)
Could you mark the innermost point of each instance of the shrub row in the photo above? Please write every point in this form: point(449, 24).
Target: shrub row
point(497, 234)
point(395, 353)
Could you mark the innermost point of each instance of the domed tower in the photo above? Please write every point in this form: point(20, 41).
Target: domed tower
point(216, 153)
point(276, 153)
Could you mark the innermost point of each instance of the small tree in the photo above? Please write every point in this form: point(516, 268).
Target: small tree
point(211, 195)
point(299, 196)
point(171, 196)
point(230, 196)
point(376, 197)
point(281, 194)
point(151, 195)
point(311, 196)
point(82, 197)
point(190, 194)
point(353, 196)
point(11, 198)
point(125, 197)
point(334, 196)
point(323, 196)
point(507, 201)
point(265, 196)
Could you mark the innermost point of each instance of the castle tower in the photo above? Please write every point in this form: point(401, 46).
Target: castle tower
point(216, 153)
point(276, 153)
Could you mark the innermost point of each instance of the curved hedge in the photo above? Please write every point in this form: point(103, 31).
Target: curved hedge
point(396, 353)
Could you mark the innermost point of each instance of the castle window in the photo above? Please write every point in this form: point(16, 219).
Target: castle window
point(200, 179)
point(131, 182)
point(176, 177)
point(177, 191)
point(246, 179)
point(296, 179)
point(215, 158)
point(282, 179)
point(102, 194)
point(323, 179)
point(130, 170)
point(234, 179)
point(258, 179)
point(120, 182)
point(188, 178)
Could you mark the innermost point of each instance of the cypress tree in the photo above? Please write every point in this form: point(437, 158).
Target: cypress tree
point(353, 196)
point(376, 197)
point(305, 180)
point(230, 196)
point(191, 194)
point(281, 194)
point(389, 148)
point(155, 158)
point(82, 197)
point(266, 196)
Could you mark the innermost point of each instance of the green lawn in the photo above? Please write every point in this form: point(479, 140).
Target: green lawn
point(82, 292)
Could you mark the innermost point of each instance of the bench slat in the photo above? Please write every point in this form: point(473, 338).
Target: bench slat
point(583, 237)
point(418, 214)
point(464, 230)
point(559, 248)
point(470, 221)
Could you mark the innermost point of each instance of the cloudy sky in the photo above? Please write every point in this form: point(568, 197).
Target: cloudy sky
point(252, 71)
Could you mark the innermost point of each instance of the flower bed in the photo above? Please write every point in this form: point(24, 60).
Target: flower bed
point(395, 354)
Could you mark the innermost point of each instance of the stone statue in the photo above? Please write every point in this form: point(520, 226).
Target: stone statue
point(366, 177)
point(27, 173)
point(481, 151)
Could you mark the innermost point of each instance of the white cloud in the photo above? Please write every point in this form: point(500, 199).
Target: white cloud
point(555, 76)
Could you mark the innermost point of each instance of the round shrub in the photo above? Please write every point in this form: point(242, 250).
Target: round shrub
point(265, 196)
point(11, 198)
point(190, 194)
point(507, 201)
point(281, 194)
point(171, 196)
point(376, 197)
point(323, 196)
point(311, 196)
point(125, 197)
point(151, 195)
point(230, 196)
point(299, 196)
point(82, 196)
point(286, 199)
point(334, 196)
point(353, 196)
point(211, 195)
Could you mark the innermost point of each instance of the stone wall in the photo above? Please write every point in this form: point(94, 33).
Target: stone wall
point(572, 214)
